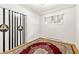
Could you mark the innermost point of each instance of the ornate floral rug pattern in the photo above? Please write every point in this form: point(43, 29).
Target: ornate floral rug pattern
point(44, 46)
point(41, 48)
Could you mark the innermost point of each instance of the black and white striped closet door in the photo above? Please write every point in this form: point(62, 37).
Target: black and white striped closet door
point(12, 29)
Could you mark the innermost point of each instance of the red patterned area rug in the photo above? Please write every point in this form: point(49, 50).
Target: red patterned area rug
point(44, 46)
point(41, 48)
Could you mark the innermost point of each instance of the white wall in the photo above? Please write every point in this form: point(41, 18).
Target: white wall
point(64, 31)
point(31, 23)
point(33, 27)
point(77, 25)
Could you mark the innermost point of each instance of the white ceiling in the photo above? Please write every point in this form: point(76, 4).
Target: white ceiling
point(41, 8)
